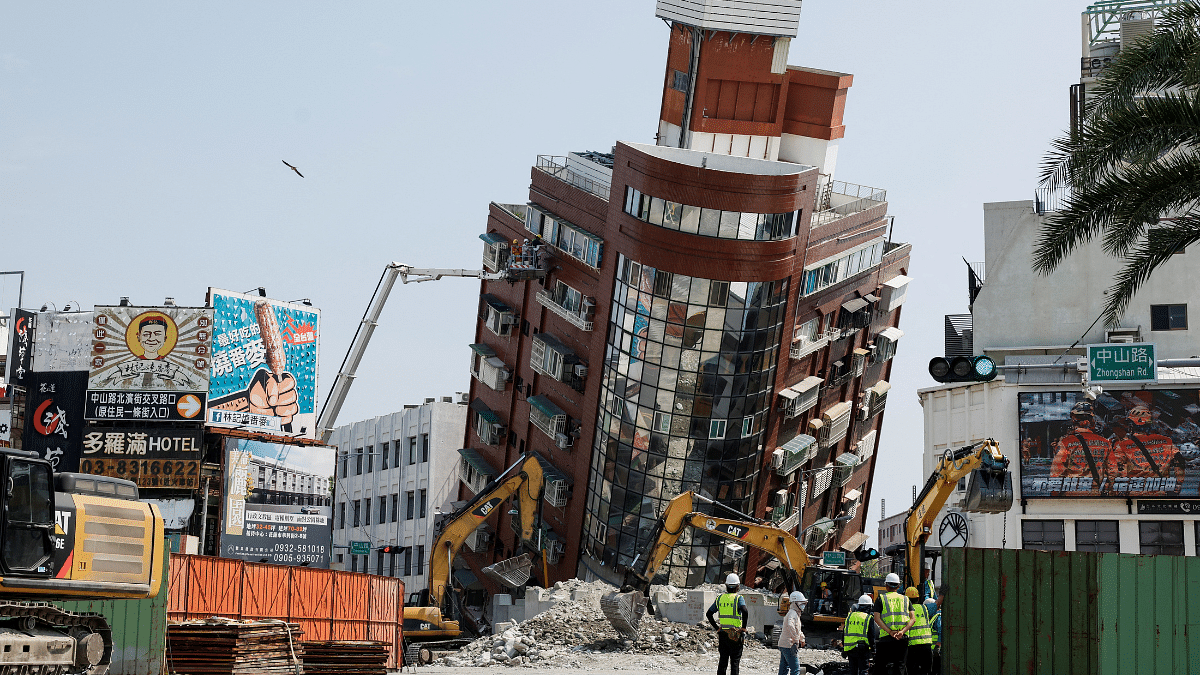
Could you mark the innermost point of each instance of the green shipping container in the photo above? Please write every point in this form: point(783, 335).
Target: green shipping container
point(139, 629)
point(1014, 611)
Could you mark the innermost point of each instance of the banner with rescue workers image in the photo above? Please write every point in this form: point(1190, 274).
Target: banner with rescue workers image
point(1123, 444)
point(264, 365)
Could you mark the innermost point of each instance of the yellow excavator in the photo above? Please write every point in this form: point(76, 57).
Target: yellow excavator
point(989, 490)
point(625, 608)
point(434, 618)
point(69, 536)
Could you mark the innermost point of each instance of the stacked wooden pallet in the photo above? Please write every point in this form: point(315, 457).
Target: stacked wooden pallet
point(225, 647)
point(345, 657)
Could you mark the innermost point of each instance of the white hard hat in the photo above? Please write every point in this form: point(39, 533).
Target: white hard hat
point(865, 600)
point(797, 597)
point(892, 578)
point(732, 580)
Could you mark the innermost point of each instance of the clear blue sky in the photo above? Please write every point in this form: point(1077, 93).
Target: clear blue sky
point(140, 148)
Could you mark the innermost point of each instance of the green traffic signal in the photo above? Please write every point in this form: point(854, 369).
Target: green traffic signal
point(962, 369)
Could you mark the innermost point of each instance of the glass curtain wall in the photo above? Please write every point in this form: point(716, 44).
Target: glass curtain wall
point(687, 384)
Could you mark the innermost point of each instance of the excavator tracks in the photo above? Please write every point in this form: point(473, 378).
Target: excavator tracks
point(74, 626)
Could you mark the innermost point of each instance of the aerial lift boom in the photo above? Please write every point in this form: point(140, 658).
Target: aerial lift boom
point(530, 264)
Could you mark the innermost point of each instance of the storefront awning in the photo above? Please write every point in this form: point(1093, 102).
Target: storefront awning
point(483, 350)
point(854, 305)
point(854, 542)
point(477, 462)
point(543, 404)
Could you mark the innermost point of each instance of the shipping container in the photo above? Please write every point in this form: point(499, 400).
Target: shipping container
point(1016, 611)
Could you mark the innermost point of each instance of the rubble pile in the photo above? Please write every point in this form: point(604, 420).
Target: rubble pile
point(574, 631)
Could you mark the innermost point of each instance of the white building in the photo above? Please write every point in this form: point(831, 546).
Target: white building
point(1021, 318)
point(394, 473)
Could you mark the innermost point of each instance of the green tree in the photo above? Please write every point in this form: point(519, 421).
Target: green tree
point(1132, 165)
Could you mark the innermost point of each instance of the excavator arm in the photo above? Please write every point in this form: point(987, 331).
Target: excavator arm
point(989, 491)
point(524, 485)
point(625, 608)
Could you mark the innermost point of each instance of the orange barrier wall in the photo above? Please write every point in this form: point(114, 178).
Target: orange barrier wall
point(328, 605)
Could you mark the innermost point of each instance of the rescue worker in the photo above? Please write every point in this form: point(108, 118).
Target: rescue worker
point(933, 609)
point(856, 636)
point(730, 608)
point(1084, 454)
point(1147, 454)
point(894, 616)
point(920, 638)
point(791, 636)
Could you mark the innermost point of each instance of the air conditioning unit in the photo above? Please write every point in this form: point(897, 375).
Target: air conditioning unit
point(779, 498)
point(581, 370)
point(1123, 335)
point(777, 458)
point(563, 441)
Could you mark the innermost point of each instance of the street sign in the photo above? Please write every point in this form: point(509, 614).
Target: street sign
point(1130, 363)
point(360, 548)
point(833, 558)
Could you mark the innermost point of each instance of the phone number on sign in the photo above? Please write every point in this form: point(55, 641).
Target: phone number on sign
point(146, 472)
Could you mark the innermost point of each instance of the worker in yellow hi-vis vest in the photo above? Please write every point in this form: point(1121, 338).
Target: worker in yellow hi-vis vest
point(730, 609)
point(894, 616)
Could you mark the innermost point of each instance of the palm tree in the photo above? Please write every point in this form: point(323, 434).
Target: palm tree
point(1132, 164)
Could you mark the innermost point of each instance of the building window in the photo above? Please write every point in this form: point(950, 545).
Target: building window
point(424, 447)
point(410, 499)
point(408, 560)
point(358, 457)
point(679, 81)
point(710, 222)
point(382, 512)
point(383, 456)
point(369, 451)
point(345, 462)
point(1161, 537)
point(395, 507)
point(1043, 535)
point(396, 449)
point(565, 236)
point(420, 559)
point(366, 502)
point(412, 449)
point(830, 271)
point(357, 514)
point(342, 516)
point(716, 429)
point(421, 513)
point(1097, 536)
point(1168, 317)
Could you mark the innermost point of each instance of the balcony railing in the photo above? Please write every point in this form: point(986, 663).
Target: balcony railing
point(803, 347)
point(546, 299)
point(784, 518)
point(556, 167)
point(1046, 200)
point(838, 199)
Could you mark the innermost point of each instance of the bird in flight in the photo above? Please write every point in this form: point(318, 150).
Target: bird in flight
point(292, 168)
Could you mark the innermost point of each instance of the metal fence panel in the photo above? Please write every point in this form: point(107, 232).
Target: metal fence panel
point(1150, 621)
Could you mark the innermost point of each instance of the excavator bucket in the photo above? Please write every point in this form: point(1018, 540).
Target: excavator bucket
point(624, 611)
point(513, 572)
point(989, 491)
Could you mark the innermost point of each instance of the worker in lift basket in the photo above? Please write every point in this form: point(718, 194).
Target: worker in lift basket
point(791, 636)
point(894, 616)
point(730, 608)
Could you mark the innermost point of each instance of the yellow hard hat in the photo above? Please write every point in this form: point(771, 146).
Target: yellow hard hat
point(823, 584)
point(912, 593)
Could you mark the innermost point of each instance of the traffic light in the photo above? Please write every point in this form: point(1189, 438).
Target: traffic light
point(962, 369)
point(390, 550)
point(865, 554)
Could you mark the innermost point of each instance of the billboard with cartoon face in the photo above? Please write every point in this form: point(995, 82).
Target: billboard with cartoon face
point(1143, 444)
point(264, 365)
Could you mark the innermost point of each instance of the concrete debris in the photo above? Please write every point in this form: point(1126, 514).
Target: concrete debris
point(573, 631)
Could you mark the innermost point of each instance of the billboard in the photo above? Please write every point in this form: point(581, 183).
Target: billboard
point(63, 341)
point(20, 348)
point(264, 365)
point(277, 503)
point(54, 425)
point(152, 457)
point(149, 363)
point(1143, 443)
